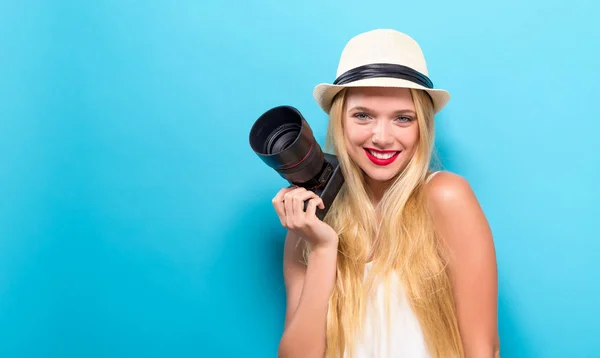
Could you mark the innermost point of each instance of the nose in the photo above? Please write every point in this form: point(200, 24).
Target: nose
point(381, 134)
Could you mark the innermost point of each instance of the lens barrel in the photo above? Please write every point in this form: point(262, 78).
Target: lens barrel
point(284, 141)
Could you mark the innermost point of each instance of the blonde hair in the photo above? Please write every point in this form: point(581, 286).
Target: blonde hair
point(404, 243)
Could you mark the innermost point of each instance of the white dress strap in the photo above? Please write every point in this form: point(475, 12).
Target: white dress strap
point(431, 176)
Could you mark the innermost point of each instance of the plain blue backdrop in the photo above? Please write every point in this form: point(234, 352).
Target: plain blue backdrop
point(135, 221)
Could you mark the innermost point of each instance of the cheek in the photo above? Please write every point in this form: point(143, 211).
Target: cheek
point(415, 136)
point(354, 139)
point(356, 135)
point(411, 138)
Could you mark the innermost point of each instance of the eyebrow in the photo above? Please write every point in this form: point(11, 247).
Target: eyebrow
point(400, 111)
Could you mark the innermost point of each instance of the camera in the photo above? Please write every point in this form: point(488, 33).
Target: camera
point(284, 141)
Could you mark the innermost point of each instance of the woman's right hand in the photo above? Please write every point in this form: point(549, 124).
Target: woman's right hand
point(289, 205)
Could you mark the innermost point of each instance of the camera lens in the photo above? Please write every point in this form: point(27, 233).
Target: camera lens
point(282, 138)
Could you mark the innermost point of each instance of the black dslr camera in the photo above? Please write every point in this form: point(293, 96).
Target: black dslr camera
point(282, 138)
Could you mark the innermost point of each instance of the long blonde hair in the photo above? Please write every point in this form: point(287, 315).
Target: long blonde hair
point(404, 243)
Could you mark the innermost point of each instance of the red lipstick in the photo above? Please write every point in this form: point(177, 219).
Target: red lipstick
point(379, 161)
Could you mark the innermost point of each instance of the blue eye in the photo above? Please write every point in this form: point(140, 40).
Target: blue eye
point(361, 115)
point(404, 119)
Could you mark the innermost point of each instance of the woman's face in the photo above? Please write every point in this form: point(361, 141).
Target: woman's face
point(381, 131)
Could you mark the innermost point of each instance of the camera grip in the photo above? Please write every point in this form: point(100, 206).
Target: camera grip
point(306, 204)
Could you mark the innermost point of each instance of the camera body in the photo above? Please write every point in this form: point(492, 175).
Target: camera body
point(331, 181)
point(284, 141)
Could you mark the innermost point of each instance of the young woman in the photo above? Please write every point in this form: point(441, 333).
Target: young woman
point(403, 265)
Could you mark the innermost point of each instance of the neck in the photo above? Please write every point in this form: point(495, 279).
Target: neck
point(377, 189)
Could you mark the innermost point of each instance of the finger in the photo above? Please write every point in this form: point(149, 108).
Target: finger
point(305, 197)
point(296, 196)
point(279, 209)
point(298, 206)
point(278, 204)
point(288, 204)
point(281, 193)
point(321, 205)
point(299, 199)
point(311, 208)
point(318, 203)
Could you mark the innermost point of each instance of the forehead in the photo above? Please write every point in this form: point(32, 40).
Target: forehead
point(380, 98)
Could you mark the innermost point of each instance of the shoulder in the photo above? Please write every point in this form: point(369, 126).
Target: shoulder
point(461, 225)
point(447, 191)
point(445, 187)
point(455, 210)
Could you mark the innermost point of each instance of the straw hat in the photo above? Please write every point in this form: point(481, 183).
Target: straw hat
point(381, 58)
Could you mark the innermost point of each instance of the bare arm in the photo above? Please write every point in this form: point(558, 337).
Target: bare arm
point(462, 225)
point(293, 274)
point(308, 290)
point(309, 287)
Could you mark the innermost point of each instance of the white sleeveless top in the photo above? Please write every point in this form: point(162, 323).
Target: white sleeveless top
point(404, 338)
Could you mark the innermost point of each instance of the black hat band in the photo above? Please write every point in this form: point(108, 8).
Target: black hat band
point(383, 70)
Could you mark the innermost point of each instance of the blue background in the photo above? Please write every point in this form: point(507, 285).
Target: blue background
point(135, 221)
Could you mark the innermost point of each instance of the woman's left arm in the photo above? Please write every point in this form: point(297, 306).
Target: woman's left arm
point(461, 223)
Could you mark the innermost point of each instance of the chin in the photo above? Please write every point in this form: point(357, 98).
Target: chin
point(381, 175)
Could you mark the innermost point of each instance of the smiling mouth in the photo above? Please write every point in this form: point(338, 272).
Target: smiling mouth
point(381, 157)
point(382, 154)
